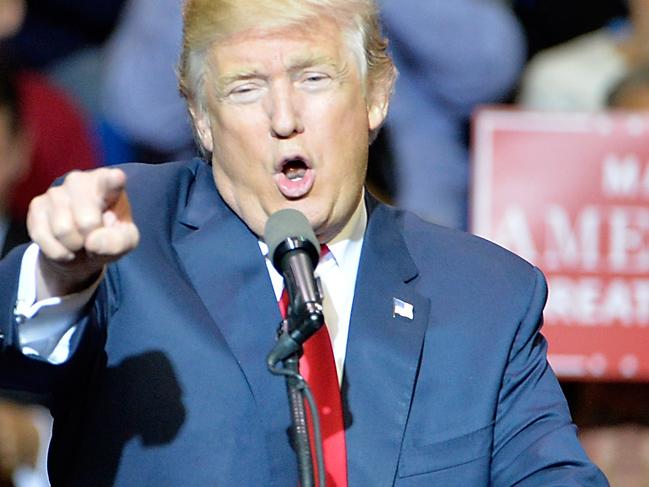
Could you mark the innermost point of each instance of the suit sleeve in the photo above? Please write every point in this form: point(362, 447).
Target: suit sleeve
point(535, 441)
point(34, 379)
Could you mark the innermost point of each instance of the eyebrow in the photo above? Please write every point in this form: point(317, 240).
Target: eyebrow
point(304, 62)
point(223, 81)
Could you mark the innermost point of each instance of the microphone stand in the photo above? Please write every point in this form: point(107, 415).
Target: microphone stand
point(296, 257)
point(298, 390)
point(300, 436)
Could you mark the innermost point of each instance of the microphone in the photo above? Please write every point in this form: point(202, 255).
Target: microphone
point(295, 251)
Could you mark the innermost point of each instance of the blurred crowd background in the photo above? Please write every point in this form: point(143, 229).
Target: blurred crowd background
point(91, 83)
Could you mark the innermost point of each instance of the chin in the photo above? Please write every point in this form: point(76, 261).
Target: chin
point(312, 214)
point(317, 212)
point(317, 216)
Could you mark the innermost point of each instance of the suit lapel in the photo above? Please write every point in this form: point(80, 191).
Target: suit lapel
point(222, 259)
point(383, 353)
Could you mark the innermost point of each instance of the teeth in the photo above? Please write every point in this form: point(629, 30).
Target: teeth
point(295, 173)
point(294, 169)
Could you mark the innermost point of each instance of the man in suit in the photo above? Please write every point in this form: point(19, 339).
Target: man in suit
point(153, 361)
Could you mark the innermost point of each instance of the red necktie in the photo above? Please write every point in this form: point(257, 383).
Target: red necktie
point(318, 367)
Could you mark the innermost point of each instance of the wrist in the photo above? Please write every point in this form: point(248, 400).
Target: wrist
point(54, 279)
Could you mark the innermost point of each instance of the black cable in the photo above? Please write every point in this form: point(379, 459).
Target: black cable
point(303, 387)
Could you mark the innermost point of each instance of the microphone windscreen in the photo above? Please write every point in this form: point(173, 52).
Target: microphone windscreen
point(285, 224)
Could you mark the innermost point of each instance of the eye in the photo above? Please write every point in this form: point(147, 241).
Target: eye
point(245, 93)
point(315, 77)
point(315, 80)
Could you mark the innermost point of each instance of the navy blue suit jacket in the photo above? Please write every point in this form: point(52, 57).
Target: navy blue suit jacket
point(168, 383)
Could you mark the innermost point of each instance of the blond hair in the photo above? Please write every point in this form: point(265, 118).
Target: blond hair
point(209, 21)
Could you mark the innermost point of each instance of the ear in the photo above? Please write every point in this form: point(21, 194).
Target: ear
point(377, 107)
point(202, 126)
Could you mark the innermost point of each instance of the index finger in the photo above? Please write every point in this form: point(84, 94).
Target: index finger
point(110, 184)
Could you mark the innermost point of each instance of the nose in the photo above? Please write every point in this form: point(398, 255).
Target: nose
point(285, 119)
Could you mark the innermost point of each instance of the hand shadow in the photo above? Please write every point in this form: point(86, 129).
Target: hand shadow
point(138, 398)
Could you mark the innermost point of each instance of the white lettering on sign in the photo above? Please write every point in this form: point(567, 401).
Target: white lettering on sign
point(629, 239)
point(591, 301)
point(597, 239)
point(566, 246)
point(625, 176)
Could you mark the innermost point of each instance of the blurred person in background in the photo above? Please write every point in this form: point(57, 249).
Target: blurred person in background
point(61, 137)
point(14, 161)
point(632, 92)
point(579, 74)
point(12, 13)
point(451, 56)
point(140, 102)
point(19, 443)
point(24, 431)
point(62, 39)
point(42, 132)
point(549, 23)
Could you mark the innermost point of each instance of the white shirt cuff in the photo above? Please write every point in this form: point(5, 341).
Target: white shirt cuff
point(46, 327)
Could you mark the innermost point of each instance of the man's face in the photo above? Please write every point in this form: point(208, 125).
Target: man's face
point(287, 122)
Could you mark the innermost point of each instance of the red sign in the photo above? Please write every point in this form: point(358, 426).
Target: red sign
point(570, 193)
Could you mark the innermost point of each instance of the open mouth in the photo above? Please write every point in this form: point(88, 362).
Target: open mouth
point(294, 168)
point(294, 177)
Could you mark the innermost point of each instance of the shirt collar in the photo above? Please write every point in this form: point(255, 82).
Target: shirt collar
point(350, 236)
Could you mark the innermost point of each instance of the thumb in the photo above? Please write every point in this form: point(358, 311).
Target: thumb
point(113, 241)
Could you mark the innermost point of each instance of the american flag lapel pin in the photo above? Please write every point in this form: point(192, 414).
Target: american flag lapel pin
point(403, 309)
